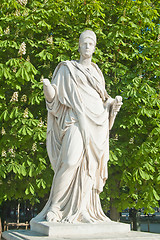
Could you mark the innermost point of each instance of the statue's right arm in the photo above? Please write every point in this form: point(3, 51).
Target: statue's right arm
point(49, 91)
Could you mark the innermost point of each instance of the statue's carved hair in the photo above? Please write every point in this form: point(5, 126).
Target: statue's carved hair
point(88, 34)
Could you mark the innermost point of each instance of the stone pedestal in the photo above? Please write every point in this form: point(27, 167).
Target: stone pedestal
point(30, 235)
point(84, 231)
point(69, 230)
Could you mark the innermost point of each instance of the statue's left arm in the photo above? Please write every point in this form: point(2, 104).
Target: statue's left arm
point(49, 91)
point(114, 106)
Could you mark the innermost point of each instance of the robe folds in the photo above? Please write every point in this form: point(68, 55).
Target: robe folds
point(77, 142)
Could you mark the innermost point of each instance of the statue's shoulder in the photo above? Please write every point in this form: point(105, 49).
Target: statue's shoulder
point(66, 63)
point(69, 64)
point(62, 63)
point(62, 66)
point(96, 66)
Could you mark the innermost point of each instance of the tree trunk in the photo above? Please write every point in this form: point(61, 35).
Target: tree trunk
point(114, 214)
point(0, 228)
point(18, 209)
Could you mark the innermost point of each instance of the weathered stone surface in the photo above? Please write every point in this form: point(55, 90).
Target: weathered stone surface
point(63, 230)
point(30, 235)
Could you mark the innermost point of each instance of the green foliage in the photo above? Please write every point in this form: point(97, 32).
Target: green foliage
point(132, 70)
point(35, 37)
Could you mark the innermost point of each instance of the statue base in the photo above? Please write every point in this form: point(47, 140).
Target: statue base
point(30, 235)
point(70, 230)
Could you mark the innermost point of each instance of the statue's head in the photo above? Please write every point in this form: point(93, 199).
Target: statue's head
point(88, 34)
point(87, 38)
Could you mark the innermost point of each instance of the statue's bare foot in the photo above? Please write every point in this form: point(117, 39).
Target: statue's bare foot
point(68, 219)
point(51, 217)
point(85, 217)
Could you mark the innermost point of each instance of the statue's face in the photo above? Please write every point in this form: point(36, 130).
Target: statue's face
point(87, 47)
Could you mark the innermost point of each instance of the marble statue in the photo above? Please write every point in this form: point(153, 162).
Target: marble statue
point(80, 115)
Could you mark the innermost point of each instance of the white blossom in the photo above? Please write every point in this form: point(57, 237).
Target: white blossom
point(34, 147)
point(116, 137)
point(41, 123)
point(23, 2)
point(17, 13)
point(50, 74)
point(17, 33)
point(22, 49)
point(3, 132)
point(131, 141)
point(25, 13)
point(24, 98)
point(28, 59)
point(4, 154)
point(7, 31)
point(14, 69)
point(50, 40)
point(158, 39)
point(12, 153)
point(14, 97)
point(41, 79)
point(25, 114)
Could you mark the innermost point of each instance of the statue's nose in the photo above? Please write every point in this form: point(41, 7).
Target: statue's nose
point(87, 45)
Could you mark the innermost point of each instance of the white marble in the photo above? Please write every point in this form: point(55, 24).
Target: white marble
point(68, 230)
point(30, 235)
point(80, 115)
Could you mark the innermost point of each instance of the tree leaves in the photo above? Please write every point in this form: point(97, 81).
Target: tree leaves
point(144, 174)
point(132, 40)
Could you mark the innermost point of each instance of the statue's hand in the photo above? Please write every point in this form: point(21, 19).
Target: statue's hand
point(46, 82)
point(49, 91)
point(117, 104)
point(115, 107)
point(118, 99)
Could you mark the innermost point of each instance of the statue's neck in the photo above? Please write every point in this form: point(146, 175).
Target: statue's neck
point(86, 62)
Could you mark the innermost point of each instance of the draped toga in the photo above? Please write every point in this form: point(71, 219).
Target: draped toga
point(77, 142)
